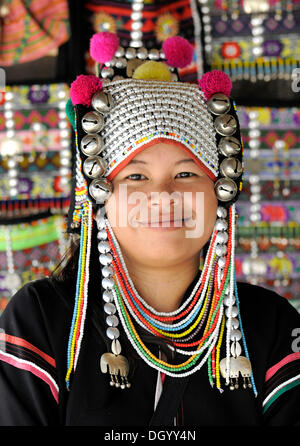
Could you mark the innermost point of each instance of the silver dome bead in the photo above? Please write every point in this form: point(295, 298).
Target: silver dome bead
point(234, 323)
point(221, 212)
point(234, 311)
point(153, 54)
point(221, 224)
point(107, 271)
point(110, 308)
point(130, 53)
point(107, 72)
point(142, 53)
point(227, 302)
point(225, 189)
point(221, 250)
point(94, 167)
point(102, 102)
point(222, 237)
point(218, 104)
point(100, 190)
point(231, 167)
point(92, 122)
point(108, 283)
point(112, 332)
point(222, 262)
point(102, 234)
point(110, 63)
point(120, 52)
point(105, 259)
point(108, 296)
point(225, 125)
point(103, 247)
point(91, 144)
point(229, 146)
point(121, 62)
point(235, 335)
point(112, 321)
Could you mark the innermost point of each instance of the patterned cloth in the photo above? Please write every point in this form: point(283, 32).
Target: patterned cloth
point(32, 29)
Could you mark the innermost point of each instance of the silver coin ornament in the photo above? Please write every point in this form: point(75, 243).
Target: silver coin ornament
point(225, 125)
point(229, 146)
point(92, 122)
point(218, 104)
point(225, 189)
point(102, 102)
point(231, 167)
point(94, 167)
point(91, 144)
point(100, 189)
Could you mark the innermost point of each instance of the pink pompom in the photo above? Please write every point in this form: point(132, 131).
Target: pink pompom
point(83, 88)
point(215, 81)
point(178, 51)
point(103, 46)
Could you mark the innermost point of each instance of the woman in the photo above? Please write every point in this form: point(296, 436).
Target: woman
point(161, 334)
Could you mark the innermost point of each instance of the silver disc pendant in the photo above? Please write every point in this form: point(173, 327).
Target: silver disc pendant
point(225, 125)
point(218, 104)
point(92, 122)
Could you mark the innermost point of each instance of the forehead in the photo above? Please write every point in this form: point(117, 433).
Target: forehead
point(171, 152)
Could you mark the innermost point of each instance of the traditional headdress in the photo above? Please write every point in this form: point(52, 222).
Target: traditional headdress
point(136, 99)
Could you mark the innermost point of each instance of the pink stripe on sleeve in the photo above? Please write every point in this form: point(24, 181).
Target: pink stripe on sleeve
point(30, 367)
point(271, 371)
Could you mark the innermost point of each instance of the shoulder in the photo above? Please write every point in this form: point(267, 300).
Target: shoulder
point(45, 294)
point(257, 300)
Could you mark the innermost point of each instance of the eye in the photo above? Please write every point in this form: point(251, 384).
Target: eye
point(186, 174)
point(135, 176)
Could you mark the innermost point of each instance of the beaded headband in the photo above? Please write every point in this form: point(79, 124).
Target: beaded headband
point(139, 99)
point(136, 100)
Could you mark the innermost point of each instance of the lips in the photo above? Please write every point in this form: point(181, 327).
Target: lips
point(161, 222)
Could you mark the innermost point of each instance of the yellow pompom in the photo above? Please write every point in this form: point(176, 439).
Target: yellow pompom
point(153, 71)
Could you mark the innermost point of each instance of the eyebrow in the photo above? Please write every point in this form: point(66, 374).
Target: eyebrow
point(187, 160)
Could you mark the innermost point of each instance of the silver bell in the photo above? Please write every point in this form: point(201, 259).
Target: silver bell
point(94, 167)
point(229, 146)
point(225, 189)
point(91, 144)
point(100, 189)
point(231, 167)
point(225, 125)
point(92, 122)
point(102, 102)
point(218, 104)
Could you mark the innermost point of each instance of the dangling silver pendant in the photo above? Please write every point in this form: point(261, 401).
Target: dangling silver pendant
point(118, 368)
point(238, 366)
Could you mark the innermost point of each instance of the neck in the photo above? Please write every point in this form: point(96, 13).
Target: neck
point(163, 288)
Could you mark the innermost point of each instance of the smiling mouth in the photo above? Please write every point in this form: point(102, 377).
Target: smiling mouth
point(163, 223)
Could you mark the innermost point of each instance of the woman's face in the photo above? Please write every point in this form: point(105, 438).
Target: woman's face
point(163, 207)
